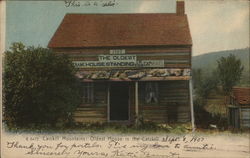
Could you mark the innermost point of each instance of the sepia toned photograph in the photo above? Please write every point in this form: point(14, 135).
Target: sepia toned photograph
point(134, 78)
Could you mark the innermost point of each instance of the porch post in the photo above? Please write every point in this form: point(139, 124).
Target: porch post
point(191, 103)
point(136, 102)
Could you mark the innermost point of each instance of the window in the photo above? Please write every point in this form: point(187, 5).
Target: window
point(151, 92)
point(88, 93)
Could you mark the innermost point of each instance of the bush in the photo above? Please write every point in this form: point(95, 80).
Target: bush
point(207, 84)
point(40, 88)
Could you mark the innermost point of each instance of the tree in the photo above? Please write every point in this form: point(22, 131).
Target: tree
point(229, 72)
point(40, 88)
point(208, 84)
point(197, 77)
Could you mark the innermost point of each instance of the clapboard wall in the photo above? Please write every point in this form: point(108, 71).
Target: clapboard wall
point(174, 56)
point(173, 104)
point(245, 116)
point(96, 111)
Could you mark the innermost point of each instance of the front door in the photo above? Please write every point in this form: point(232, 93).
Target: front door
point(119, 101)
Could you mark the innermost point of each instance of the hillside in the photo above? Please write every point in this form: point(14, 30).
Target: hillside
point(208, 61)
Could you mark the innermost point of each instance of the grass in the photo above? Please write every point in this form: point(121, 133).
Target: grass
point(109, 128)
point(146, 127)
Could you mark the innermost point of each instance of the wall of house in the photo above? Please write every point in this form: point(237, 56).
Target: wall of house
point(174, 57)
point(173, 104)
point(96, 111)
point(245, 116)
point(239, 116)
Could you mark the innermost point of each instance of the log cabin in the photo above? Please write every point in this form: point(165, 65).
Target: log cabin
point(132, 66)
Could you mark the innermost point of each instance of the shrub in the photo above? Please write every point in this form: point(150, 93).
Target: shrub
point(39, 87)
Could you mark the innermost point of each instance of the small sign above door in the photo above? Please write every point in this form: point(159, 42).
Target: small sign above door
point(117, 51)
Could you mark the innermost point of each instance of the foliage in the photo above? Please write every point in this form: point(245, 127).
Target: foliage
point(216, 109)
point(229, 71)
point(207, 85)
point(40, 88)
point(204, 84)
point(147, 128)
point(197, 77)
point(208, 62)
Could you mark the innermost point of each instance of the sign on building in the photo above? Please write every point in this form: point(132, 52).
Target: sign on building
point(118, 61)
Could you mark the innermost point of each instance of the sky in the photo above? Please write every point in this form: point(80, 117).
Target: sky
point(215, 24)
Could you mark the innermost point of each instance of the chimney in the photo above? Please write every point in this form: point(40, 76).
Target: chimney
point(180, 7)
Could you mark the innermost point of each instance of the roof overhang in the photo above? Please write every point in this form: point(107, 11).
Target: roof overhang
point(128, 75)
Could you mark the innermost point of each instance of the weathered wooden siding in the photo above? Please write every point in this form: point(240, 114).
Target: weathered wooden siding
point(173, 103)
point(100, 93)
point(97, 111)
point(157, 113)
point(174, 57)
point(173, 95)
point(239, 116)
point(129, 50)
point(245, 117)
point(91, 114)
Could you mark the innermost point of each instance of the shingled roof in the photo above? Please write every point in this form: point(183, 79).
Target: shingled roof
point(242, 95)
point(108, 30)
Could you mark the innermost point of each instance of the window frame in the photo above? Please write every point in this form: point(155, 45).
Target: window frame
point(88, 93)
point(155, 88)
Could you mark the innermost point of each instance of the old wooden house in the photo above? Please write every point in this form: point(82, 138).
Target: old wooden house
point(239, 108)
point(131, 65)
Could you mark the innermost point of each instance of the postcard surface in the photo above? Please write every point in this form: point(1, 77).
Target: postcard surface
point(113, 78)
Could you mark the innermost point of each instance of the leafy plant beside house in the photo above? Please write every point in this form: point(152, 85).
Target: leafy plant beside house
point(40, 88)
point(204, 85)
point(229, 72)
point(212, 90)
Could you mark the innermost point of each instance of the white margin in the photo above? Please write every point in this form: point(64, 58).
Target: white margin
point(2, 49)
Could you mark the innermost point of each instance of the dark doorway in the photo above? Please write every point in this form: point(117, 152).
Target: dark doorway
point(234, 117)
point(119, 96)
